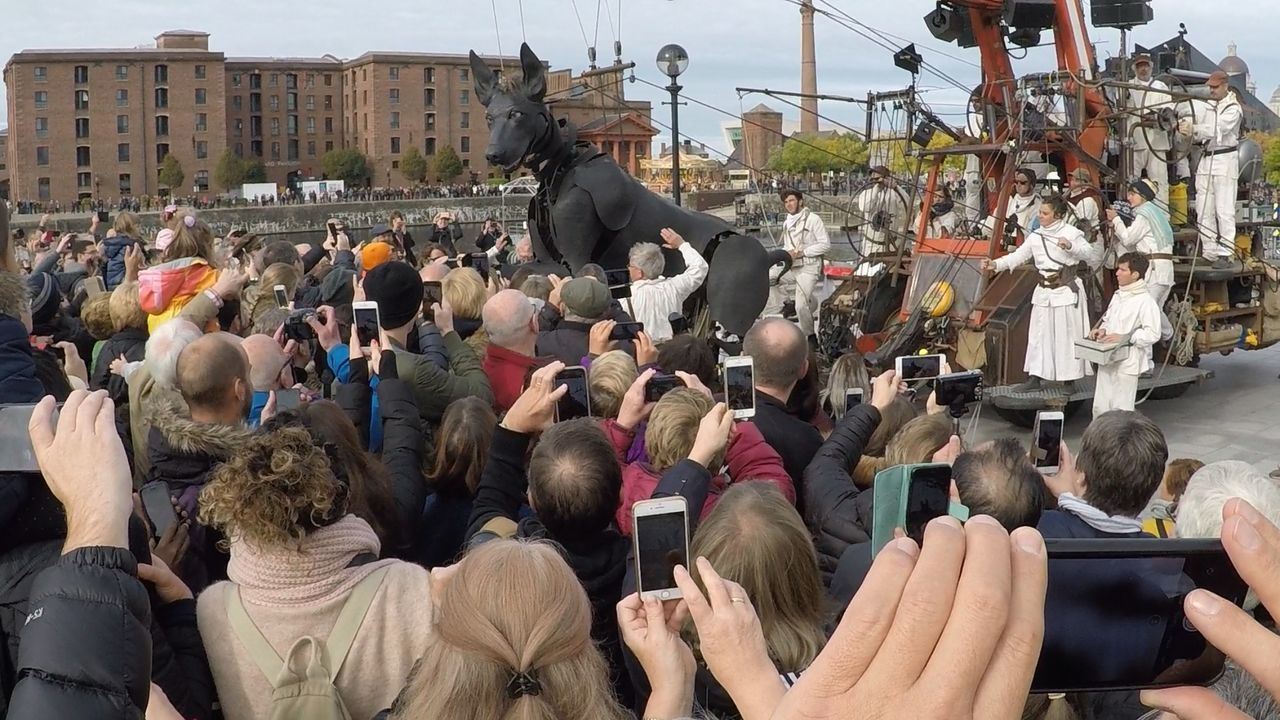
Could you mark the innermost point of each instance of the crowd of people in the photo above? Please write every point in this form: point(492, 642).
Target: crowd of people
point(248, 503)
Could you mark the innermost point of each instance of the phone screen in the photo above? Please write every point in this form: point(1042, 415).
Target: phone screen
point(333, 230)
point(432, 292)
point(1048, 442)
point(662, 543)
point(574, 403)
point(94, 286)
point(16, 452)
point(626, 331)
point(739, 386)
point(480, 262)
point(366, 323)
point(155, 500)
point(928, 497)
point(852, 398)
point(620, 276)
point(103, 216)
point(1115, 620)
point(282, 300)
point(288, 399)
point(919, 367)
point(660, 385)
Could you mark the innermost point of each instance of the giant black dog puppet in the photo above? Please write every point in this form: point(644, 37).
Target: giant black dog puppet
point(589, 210)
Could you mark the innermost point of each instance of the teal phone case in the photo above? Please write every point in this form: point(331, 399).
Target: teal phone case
point(889, 506)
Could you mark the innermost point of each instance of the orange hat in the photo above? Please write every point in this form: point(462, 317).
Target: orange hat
point(374, 254)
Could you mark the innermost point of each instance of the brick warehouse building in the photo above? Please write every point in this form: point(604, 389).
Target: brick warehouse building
point(98, 123)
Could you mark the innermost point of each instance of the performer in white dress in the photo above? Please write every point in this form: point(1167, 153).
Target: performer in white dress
point(1059, 308)
point(1134, 313)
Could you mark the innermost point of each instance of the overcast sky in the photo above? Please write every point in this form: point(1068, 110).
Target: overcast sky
point(731, 43)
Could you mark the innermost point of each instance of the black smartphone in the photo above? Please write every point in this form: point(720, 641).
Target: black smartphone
point(626, 331)
point(928, 497)
point(104, 216)
point(159, 508)
point(576, 402)
point(432, 293)
point(660, 385)
point(478, 261)
point(1114, 616)
point(679, 323)
point(958, 388)
point(333, 229)
point(852, 398)
point(618, 276)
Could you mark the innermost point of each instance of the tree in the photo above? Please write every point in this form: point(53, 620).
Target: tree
point(171, 174)
point(230, 171)
point(255, 171)
point(1270, 143)
point(348, 165)
point(413, 165)
point(447, 165)
point(892, 154)
point(806, 154)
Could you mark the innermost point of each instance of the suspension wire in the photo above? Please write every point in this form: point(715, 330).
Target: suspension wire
point(899, 38)
point(581, 27)
point(502, 63)
point(595, 40)
point(523, 36)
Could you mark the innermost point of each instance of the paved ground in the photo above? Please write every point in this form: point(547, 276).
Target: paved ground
point(1232, 416)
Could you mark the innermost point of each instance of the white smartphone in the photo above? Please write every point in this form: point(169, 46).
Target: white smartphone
point(1046, 441)
point(918, 367)
point(93, 286)
point(16, 452)
point(660, 533)
point(852, 398)
point(740, 386)
point(282, 299)
point(367, 322)
point(576, 402)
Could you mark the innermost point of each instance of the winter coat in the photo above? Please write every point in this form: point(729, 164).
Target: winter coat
point(748, 456)
point(795, 440)
point(18, 382)
point(113, 249)
point(132, 344)
point(837, 513)
point(166, 289)
point(569, 342)
point(433, 388)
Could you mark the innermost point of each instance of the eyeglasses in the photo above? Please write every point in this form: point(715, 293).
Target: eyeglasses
point(1021, 182)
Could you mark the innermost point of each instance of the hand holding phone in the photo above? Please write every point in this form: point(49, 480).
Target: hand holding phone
point(576, 402)
point(626, 331)
point(918, 367)
point(1046, 441)
point(852, 398)
point(740, 386)
point(660, 533)
point(157, 502)
point(367, 323)
point(660, 385)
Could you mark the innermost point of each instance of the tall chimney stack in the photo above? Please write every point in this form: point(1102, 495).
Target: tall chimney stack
point(808, 71)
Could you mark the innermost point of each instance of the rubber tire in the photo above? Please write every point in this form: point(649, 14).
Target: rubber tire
point(1169, 392)
point(1027, 418)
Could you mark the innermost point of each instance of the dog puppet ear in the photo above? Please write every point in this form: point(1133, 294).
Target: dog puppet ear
point(486, 80)
point(535, 74)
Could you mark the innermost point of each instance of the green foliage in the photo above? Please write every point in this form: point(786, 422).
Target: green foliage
point(255, 171)
point(805, 154)
point(348, 165)
point(1270, 156)
point(171, 174)
point(892, 154)
point(447, 164)
point(413, 165)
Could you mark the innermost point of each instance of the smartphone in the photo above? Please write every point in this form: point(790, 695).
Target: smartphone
point(104, 216)
point(626, 331)
point(619, 276)
point(16, 451)
point(910, 497)
point(282, 298)
point(576, 402)
point(918, 367)
point(159, 508)
point(1046, 441)
point(740, 386)
point(94, 286)
point(660, 534)
point(958, 388)
point(479, 261)
point(852, 398)
point(432, 293)
point(367, 322)
point(333, 229)
point(660, 385)
point(288, 399)
point(1114, 613)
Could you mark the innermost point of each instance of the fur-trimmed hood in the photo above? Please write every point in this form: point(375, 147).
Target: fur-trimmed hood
point(180, 436)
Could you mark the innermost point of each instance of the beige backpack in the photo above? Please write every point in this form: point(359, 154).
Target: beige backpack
point(303, 681)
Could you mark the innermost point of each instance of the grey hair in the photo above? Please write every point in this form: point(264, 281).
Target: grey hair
point(537, 287)
point(849, 372)
point(647, 258)
point(1241, 690)
point(165, 345)
point(506, 317)
point(1200, 507)
point(1122, 456)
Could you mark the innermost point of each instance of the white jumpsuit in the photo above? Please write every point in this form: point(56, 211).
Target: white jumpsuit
point(1132, 310)
point(1151, 145)
point(806, 233)
point(1217, 124)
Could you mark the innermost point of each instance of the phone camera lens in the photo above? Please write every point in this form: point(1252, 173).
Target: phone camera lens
point(1188, 627)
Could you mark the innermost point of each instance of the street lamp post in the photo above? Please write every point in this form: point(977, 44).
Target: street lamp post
point(672, 61)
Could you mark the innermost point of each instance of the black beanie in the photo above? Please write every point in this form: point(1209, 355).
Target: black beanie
point(397, 289)
point(46, 298)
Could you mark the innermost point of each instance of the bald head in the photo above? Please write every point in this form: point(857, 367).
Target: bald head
point(780, 352)
point(508, 318)
point(213, 374)
point(266, 362)
point(433, 272)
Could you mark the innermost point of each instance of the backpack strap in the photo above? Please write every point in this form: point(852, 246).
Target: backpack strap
point(263, 655)
point(351, 618)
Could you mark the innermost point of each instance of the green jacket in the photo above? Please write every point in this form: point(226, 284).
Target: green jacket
point(433, 388)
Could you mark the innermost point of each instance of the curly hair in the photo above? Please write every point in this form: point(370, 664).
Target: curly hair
point(275, 490)
point(96, 316)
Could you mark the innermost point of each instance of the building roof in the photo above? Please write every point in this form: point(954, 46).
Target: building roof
point(328, 60)
point(184, 33)
point(762, 109)
point(612, 120)
point(1275, 96)
point(418, 57)
point(1234, 65)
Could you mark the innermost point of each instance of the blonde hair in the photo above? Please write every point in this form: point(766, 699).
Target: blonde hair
point(276, 274)
point(778, 568)
point(673, 425)
point(189, 241)
point(126, 308)
point(892, 419)
point(465, 291)
point(95, 313)
point(274, 490)
point(126, 224)
point(918, 440)
point(612, 374)
point(512, 606)
point(849, 371)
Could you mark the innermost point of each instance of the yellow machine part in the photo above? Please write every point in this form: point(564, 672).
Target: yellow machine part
point(1244, 244)
point(1178, 204)
point(937, 300)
